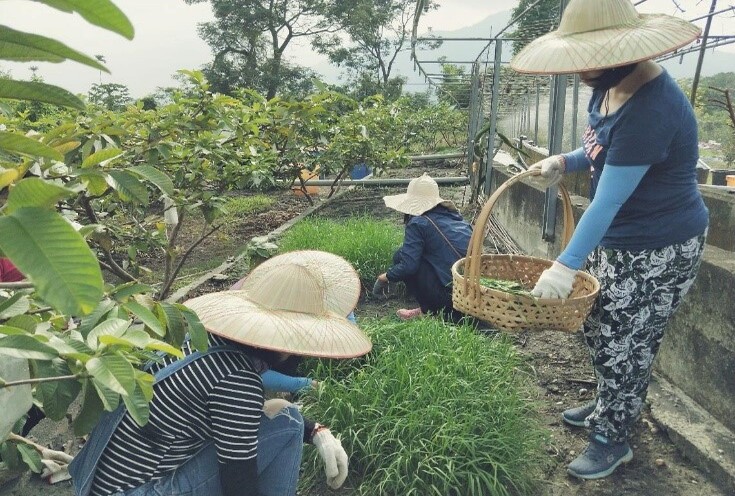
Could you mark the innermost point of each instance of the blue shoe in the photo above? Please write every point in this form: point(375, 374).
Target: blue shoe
point(576, 416)
point(600, 459)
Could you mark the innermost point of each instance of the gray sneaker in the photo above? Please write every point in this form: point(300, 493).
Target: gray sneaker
point(576, 416)
point(600, 458)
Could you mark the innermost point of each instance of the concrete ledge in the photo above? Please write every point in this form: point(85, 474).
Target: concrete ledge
point(698, 435)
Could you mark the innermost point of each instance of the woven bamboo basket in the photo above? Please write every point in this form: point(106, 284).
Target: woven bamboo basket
point(510, 312)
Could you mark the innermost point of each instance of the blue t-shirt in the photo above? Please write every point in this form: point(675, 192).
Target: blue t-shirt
point(655, 126)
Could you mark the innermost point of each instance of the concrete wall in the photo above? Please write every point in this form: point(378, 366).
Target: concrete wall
point(698, 352)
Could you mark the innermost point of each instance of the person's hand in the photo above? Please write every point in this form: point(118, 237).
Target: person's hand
point(55, 466)
point(552, 169)
point(380, 288)
point(555, 282)
point(334, 456)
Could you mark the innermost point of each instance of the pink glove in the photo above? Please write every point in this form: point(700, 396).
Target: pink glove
point(334, 456)
point(555, 282)
point(552, 169)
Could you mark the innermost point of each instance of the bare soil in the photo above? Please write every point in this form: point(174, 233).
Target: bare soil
point(558, 361)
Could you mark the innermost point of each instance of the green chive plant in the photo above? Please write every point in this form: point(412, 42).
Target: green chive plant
point(368, 244)
point(433, 409)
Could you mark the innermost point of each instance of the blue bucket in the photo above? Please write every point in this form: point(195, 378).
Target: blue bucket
point(360, 171)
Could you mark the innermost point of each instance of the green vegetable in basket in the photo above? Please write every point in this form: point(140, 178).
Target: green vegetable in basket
point(512, 287)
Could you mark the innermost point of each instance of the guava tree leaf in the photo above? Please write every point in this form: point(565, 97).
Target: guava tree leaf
point(197, 333)
point(55, 257)
point(31, 457)
point(18, 143)
point(25, 346)
point(155, 177)
point(102, 13)
point(91, 410)
point(113, 372)
point(20, 46)
point(35, 192)
point(146, 316)
point(38, 92)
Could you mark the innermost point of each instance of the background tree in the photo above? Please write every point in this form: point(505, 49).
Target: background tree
point(454, 87)
point(249, 39)
point(112, 96)
point(376, 31)
point(534, 22)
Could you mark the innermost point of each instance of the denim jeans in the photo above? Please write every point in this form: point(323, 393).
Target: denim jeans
point(280, 443)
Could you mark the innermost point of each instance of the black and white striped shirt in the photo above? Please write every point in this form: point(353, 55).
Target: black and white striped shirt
point(218, 396)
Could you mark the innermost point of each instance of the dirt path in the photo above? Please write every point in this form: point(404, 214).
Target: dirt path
point(560, 370)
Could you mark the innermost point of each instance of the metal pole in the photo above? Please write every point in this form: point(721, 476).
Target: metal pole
point(535, 127)
point(528, 111)
point(575, 109)
point(556, 135)
point(695, 83)
point(493, 116)
point(392, 181)
point(473, 126)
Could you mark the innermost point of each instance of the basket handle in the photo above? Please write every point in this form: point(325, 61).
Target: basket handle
point(473, 260)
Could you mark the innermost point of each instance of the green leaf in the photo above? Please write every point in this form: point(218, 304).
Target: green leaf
point(113, 372)
point(55, 257)
point(101, 156)
point(109, 327)
point(24, 346)
point(123, 291)
point(12, 331)
point(146, 316)
point(35, 192)
point(145, 383)
point(27, 323)
point(90, 321)
point(31, 457)
point(102, 13)
point(17, 304)
point(154, 176)
point(197, 332)
point(94, 180)
point(38, 92)
point(17, 143)
point(128, 187)
point(174, 322)
point(157, 345)
point(137, 405)
point(56, 396)
point(10, 455)
point(91, 410)
point(23, 47)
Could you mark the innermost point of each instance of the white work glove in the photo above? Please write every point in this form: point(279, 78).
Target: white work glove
point(55, 466)
point(552, 169)
point(555, 282)
point(334, 456)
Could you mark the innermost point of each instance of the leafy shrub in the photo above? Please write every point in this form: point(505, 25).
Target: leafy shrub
point(432, 410)
point(368, 244)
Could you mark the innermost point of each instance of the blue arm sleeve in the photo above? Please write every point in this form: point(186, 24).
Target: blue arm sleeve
point(411, 252)
point(576, 161)
point(275, 381)
point(616, 185)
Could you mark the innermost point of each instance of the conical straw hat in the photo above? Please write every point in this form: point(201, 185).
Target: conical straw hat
point(600, 34)
point(342, 284)
point(421, 196)
point(284, 310)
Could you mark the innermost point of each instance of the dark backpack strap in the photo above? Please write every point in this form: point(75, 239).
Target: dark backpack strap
point(442, 235)
point(84, 465)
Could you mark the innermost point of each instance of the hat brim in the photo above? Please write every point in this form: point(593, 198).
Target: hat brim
point(411, 205)
point(563, 53)
point(232, 315)
point(341, 281)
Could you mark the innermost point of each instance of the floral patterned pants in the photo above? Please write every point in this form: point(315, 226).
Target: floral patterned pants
point(639, 292)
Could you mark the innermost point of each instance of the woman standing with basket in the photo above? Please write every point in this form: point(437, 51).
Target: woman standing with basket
point(643, 234)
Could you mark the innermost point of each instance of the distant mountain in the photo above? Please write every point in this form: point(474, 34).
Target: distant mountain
point(680, 67)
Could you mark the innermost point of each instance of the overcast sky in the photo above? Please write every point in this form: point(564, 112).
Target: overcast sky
point(166, 37)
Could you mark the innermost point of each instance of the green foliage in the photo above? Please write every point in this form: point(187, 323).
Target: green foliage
point(433, 409)
point(368, 244)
